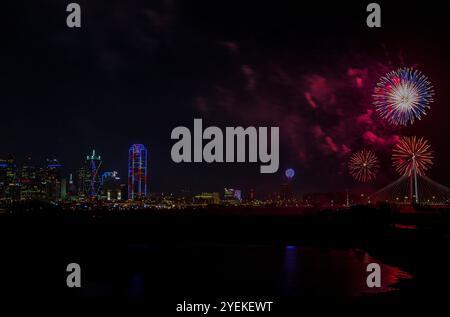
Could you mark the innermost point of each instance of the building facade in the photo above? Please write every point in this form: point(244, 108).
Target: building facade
point(137, 172)
point(111, 187)
point(89, 176)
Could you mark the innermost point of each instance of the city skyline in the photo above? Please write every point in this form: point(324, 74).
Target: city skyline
point(199, 155)
point(95, 88)
point(91, 176)
point(46, 182)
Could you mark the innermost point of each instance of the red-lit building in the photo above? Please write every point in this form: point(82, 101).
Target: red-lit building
point(137, 172)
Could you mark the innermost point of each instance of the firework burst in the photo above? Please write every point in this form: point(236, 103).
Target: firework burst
point(412, 153)
point(363, 165)
point(403, 96)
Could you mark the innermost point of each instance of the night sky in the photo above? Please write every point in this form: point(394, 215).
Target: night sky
point(137, 69)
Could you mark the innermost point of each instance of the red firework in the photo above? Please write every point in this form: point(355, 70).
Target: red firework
point(364, 165)
point(412, 153)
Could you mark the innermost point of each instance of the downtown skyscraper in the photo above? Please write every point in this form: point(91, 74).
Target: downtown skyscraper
point(137, 171)
point(89, 176)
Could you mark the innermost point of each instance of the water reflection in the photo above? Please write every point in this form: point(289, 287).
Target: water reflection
point(291, 263)
point(136, 285)
point(234, 270)
point(323, 271)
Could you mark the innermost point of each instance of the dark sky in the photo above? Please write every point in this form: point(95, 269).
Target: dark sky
point(137, 69)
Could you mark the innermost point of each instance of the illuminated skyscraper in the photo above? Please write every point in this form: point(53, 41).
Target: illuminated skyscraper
point(52, 179)
point(72, 188)
point(89, 176)
point(137, 171)
point(28, 172)
point(9, 180)
point(3, 179)
point(30, 182)
point(11, 170)
point(111, 189)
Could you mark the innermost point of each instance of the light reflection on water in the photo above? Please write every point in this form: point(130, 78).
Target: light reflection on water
point(321, 271)
point(136, 285)
point(239, 270)
point(290, 270)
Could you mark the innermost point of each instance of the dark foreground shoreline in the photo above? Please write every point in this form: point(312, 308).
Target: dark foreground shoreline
point(417, 243)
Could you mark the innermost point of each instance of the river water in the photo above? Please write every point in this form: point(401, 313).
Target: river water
point(232, 270)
